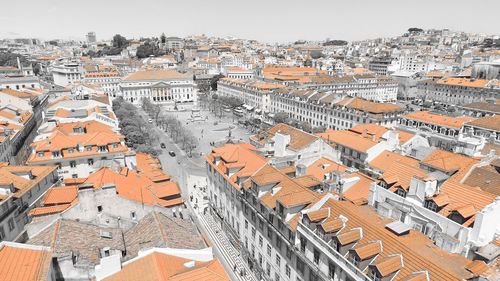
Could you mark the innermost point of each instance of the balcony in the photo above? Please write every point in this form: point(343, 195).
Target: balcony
point(327, 249)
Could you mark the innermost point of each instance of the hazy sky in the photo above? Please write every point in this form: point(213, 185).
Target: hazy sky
point(266, 20)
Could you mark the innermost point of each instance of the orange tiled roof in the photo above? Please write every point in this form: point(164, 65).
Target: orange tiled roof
point(243, 157)
point(418, 252)
point(437, 119)
point(370, 106)
point(464, 82)
point(162, 267)
point(60, 195)
point(24, 262)
point(348, 139)
point(298, 138)
point(13, 175)
point(447, 162)
point(324, 166)
point(157, 75)
point(137, 187)
point(387, 158)
point(489, 123)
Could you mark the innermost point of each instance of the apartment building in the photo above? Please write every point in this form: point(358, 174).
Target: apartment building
point(446, 132)
point(67, 72)
point(366, 86)
point(21, 188)
point(293, 233)
point(68, 110)
point(17, 127)
point(287, 145)
point(431, 200)
point(457, 91)
point(357, 150)
point(228, 167)
point(487, 127)
point(160, 86)
point(319, 108)
point(80, 148)
point(19, 82)
point(109, 81)
point(379, 65)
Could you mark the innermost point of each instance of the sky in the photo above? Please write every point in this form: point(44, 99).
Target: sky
point(264, 20)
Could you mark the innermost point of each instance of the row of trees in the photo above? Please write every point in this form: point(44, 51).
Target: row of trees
point(118, 44)
point(138, 133)
point(176, 130)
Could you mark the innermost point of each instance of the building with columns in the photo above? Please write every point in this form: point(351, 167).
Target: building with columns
point(160, 86)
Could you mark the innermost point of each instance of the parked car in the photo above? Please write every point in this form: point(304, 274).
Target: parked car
point(162, 145)
point(171, 153)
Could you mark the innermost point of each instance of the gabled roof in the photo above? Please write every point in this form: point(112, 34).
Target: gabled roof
point(298, 138)
point(159, 230)
point(24, 262)
point(447, 162)
point(348, 139)
point(162, 267)
point(67, 238)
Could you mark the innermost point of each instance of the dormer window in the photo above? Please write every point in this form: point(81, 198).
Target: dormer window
point(354, 259)
point(373, 274)
point(383, 184)
point(88, 148)
point(401, 192)
point(71, 150)
point(40, 154)
point(102, 148)
point(115, 145)
point(56, 154)
point(431, 205)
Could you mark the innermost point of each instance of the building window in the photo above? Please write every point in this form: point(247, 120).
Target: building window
point(300, 265)
point(374, 275)
point(287, 271)
point(431, 205)
point(2, 233)
point(278, 260)
point(316, 256)
point(246, 224)
point(72, 164)
point(260, 241)
point(269, 250)
point(276, 276)
point(260, 259)
point(354, 259)
point(74, 176)
point(268, 269)
point(90, 161)
point(132, 215)
point(99, 209)
point(41, 154)
point(11, 224)
point(401, 192)
point(331, 270)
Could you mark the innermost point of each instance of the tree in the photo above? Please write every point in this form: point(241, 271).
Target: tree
point(214, 80)
point(147, 149)
point(415, 30)
point(281, 117)
point(119, 41)
point(306, 126)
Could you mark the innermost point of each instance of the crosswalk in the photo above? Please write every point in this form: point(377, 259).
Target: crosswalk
point(226, 249)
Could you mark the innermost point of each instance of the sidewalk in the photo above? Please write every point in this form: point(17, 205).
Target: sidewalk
point(226, 250)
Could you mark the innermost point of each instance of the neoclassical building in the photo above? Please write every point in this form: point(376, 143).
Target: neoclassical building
point(160, 86)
